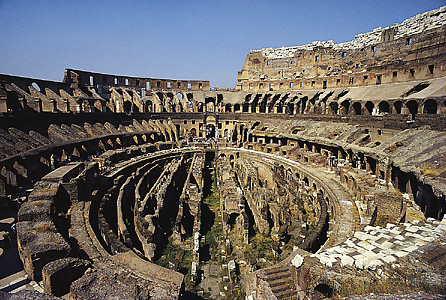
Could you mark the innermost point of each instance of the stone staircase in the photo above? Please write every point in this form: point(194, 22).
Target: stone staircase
point(281, 282)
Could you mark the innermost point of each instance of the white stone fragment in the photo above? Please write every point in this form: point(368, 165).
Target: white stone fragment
point(399, 237)
point(428, 239)
point(412, 229)
point(395, 231)
point(349, 243)
point(386, 245)
point(411, 248)
point(347, 261)
point(401, 253)
point(388, 259)
point(297, 261)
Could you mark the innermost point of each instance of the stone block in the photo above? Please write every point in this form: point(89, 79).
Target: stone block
point(27, 295)
point(39, 243)
point(36, 211)
point(101, 285)
point(58, 275)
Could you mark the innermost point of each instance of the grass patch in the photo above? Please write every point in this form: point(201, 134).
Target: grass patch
point(171, 252)
point(216, 232)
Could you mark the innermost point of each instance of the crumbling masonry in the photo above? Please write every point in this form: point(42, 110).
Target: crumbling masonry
point(333, 153)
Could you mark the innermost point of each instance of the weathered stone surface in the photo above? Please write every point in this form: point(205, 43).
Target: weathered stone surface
point(36, 211)
point(57, 134)
point(27, 295)
point(59, 274)
point(24, 137)
point(40, 138)
point(110, 128)
point(344, 145)
point(103, 285)
point(39, 243)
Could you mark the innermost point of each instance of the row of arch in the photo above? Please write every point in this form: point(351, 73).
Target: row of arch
point(21, 170)
point(430, 204)
point(412, 107)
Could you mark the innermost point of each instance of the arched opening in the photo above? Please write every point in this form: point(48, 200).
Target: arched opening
point(369, 108)
point(344, 107)
point(412, 105)
point(236, 107)
point(430, 107)
point(398, 105)
point(180, 96)
point(253, 107)
point(178, 129)
point(228, 107)
point(384, 107)
point(148, 106)
point(226, 134)
point(245, 107)
point(210, 104)
point(234, 135)
point(304, 103)
point(127, 107)
point(231, 220)
point(322, 291)
point(219, 98)
point(170, 104)
point(298, 108)
point(334, 106)
point(190, 106)
point(290, 108)
point(210, 131)
point(193, 132)
point(357, 108)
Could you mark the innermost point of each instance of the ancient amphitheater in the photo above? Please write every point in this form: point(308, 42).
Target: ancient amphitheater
point(322, 174)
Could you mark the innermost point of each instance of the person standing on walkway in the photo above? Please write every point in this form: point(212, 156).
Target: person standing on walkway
point(7, 239)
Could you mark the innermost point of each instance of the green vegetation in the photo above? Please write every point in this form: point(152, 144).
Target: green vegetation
point(170, 253)
point(260, 246)
point(234, 291)
point(213, 235)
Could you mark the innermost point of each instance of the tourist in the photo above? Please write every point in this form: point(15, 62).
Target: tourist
point(7, 239)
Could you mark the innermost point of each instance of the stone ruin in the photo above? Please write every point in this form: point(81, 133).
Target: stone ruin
point(321, 175)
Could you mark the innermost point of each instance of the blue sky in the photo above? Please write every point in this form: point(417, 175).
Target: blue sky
point(202, 40)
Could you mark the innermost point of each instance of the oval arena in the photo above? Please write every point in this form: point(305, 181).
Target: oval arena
point(322, 174)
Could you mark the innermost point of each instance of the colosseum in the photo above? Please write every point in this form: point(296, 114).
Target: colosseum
point(321, 174)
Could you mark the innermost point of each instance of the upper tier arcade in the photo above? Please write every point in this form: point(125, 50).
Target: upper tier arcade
point(412, 50)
